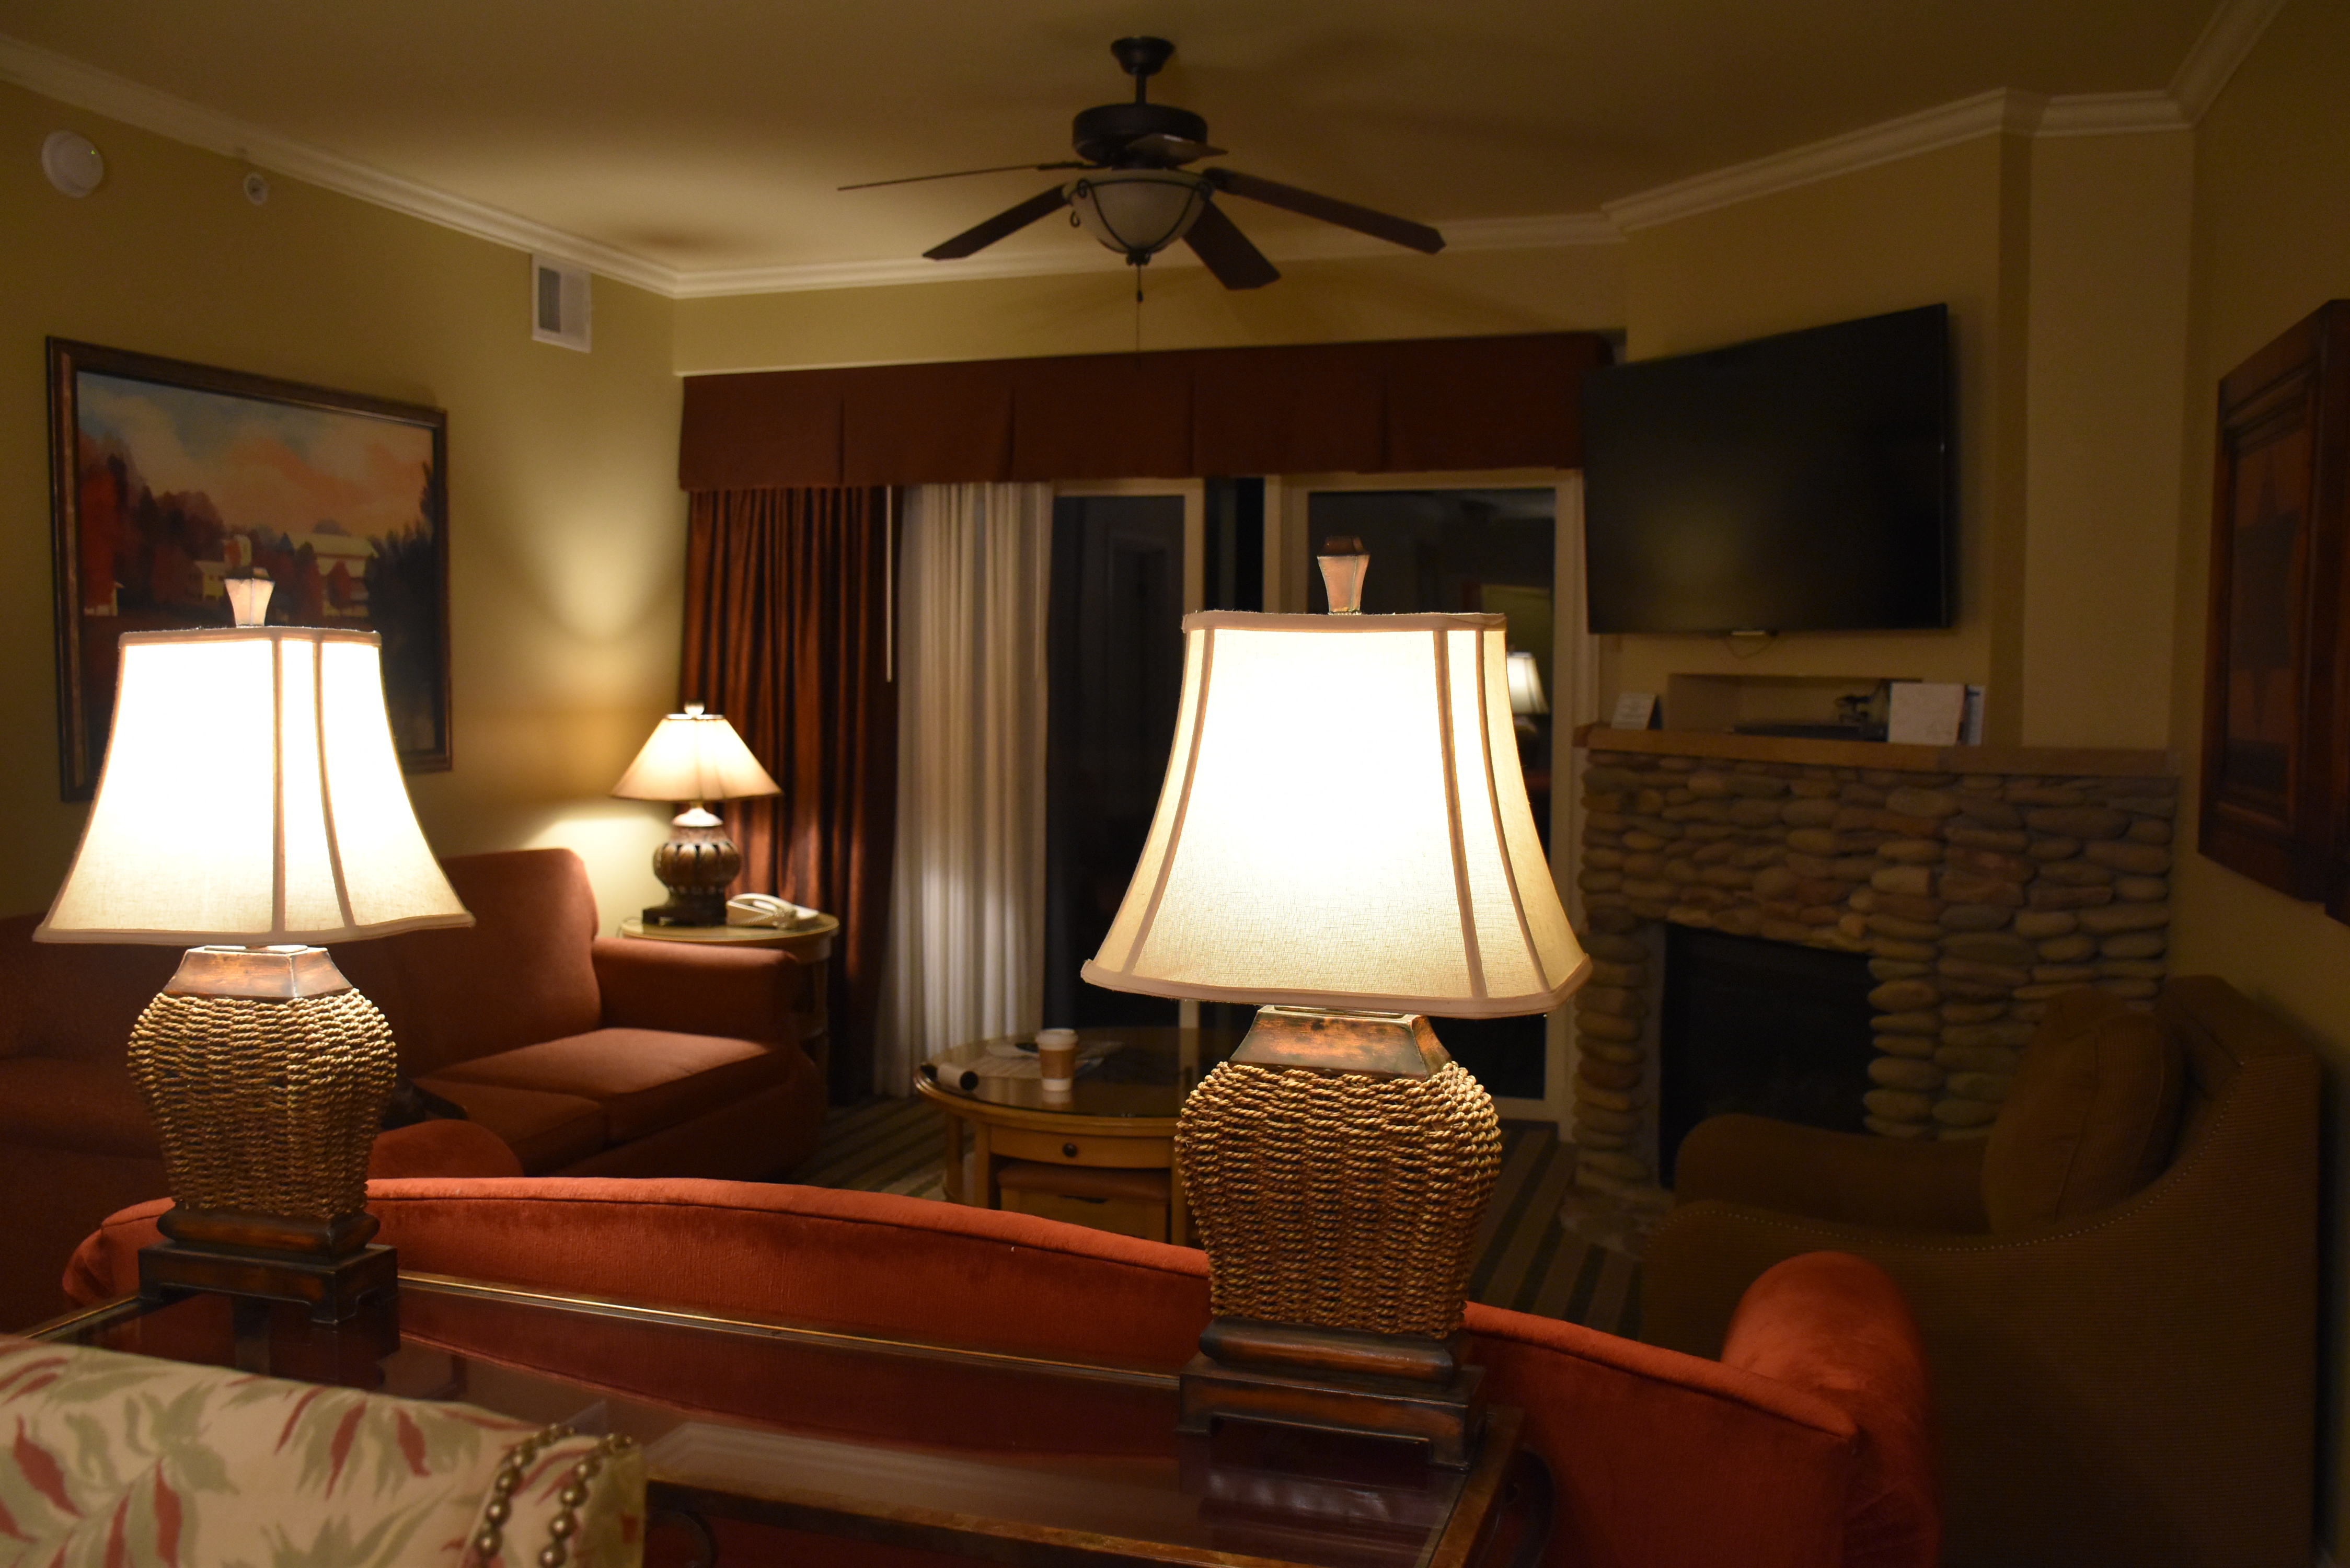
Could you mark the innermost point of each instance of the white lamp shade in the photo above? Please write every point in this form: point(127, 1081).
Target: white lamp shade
point(1138, 212)
point(251, 794)
point(695, 756)
point(1344, 825)
point(1525, 685)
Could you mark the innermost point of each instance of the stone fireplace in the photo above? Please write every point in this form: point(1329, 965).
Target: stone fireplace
point(1977, 881)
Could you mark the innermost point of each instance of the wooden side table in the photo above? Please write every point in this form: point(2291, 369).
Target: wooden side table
point(1113, 1139)
point(809, 945)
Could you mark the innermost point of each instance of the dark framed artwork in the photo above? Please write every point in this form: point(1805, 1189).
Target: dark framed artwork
point(166, 478)
point(2276, 735)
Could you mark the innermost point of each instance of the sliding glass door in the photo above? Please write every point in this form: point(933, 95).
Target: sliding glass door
point(1503, 542)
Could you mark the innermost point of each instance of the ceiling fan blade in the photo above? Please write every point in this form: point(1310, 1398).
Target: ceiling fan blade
point(1011, 220)
point(1237, 263)
point(1173, 150)
point(1329, 209)
point(959, 173)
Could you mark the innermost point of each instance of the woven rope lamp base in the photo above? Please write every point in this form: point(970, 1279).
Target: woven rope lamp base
point(267, 1074)
point(1337, 1167)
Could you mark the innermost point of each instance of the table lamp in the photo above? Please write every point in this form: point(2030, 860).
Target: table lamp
point(1345, 836)
point(251, 805)
point(694, 757)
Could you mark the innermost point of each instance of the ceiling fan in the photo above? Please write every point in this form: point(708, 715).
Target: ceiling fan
point(1136, 197)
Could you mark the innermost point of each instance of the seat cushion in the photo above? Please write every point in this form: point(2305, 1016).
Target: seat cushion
point(520, 973)
point(2090, 1120)
point(546, 1132)
point(84, 1105)
point(645, 1079)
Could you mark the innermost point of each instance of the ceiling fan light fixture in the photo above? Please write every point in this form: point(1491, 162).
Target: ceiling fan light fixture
point(1137, 212)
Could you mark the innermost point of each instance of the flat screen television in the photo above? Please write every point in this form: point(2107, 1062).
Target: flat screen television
point(1800, 482)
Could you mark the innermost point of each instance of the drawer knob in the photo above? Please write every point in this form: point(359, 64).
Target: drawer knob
point(1070, 1149)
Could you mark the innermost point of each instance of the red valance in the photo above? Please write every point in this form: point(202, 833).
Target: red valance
point(1437, 403)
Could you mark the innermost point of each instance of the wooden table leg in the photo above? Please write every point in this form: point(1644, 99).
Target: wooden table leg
point(983, 1163)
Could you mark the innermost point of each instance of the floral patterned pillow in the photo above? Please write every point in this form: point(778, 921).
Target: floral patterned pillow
point(108, 1459)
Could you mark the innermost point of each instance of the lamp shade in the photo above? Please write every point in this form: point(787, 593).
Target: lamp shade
point(1525, 685)
point(695, 756)
point(1344, 825)
point(251, 794)
point(1138, 212)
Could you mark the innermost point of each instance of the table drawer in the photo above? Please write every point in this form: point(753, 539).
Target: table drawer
point(1136, 1153)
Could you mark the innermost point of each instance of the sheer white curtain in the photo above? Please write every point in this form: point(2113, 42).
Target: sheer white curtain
point(967, 898)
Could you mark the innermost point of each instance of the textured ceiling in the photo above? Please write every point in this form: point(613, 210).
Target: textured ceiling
point(705, 134)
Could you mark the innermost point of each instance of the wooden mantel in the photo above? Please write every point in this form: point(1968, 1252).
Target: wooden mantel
point(2076, 762)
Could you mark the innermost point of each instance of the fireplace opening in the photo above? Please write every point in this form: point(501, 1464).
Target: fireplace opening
point(1771, 1029)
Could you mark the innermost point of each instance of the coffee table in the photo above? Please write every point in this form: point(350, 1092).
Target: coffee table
point(1006, 1456)
point(1118, 1118)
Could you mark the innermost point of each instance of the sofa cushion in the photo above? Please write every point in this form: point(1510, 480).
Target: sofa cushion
point(2089, 1121)
point(521, 973)
point(546, 1132)
point(75, 1104)
point(75, 1000)
point(646, 1079)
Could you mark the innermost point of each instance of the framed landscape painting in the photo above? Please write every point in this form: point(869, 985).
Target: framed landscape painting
point(167, 479)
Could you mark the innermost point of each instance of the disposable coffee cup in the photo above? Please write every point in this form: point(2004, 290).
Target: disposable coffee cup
point(1056, 1059)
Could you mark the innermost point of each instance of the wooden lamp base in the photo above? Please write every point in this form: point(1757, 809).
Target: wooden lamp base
point(1334, 1379)
point(326, 1266)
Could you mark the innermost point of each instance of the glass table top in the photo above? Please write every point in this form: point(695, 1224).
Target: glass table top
point(819, 1428)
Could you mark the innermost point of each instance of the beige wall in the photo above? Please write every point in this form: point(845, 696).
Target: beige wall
point(1921, 230)
point(2105, 390)
point(566, 528)
point(1457, 293)
point(2272, 243)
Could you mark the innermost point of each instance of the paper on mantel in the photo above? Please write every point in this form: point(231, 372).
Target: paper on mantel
point(1925, 713)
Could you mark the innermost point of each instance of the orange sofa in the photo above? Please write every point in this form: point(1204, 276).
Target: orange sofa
point(1806, 1445)
point(586, 1055)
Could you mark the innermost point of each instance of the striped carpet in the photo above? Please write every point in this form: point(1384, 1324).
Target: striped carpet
point(1527, 1260)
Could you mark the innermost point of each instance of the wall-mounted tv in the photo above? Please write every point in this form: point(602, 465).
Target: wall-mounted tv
point(1800, 482)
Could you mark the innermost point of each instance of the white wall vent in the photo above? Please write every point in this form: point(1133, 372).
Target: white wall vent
point(560, 307)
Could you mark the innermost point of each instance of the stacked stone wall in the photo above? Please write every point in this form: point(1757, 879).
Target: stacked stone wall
point(1977, 896)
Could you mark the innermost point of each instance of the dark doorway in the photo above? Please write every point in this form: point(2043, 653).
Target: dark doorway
point(1450, 550)
point(1114, 660)
point(1771, 1029)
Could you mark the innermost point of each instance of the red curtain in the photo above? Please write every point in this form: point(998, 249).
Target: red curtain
point(787, 634)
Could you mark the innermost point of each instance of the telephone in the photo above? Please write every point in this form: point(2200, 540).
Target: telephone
point(764, 909)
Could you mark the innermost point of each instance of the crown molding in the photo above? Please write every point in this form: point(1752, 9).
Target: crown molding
point(2234, 28)
point(2111, 114)
point(1952, 123)
point(70, 81)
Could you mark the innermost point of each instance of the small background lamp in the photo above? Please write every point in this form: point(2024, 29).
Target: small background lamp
point(694, 758)
point(252, 804)
point(1526, 699)
point(1344, 835)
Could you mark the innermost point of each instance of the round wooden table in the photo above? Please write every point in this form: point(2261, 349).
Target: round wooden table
point(1118, 1118)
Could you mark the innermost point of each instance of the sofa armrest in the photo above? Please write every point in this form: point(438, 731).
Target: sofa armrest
point(90, 1108)
point(755, 993)
point(1854, 1179)
point(1838, 1326)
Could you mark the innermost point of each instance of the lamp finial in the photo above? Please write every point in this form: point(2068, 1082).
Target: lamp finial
point(248, 598)
point(1345, 565)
